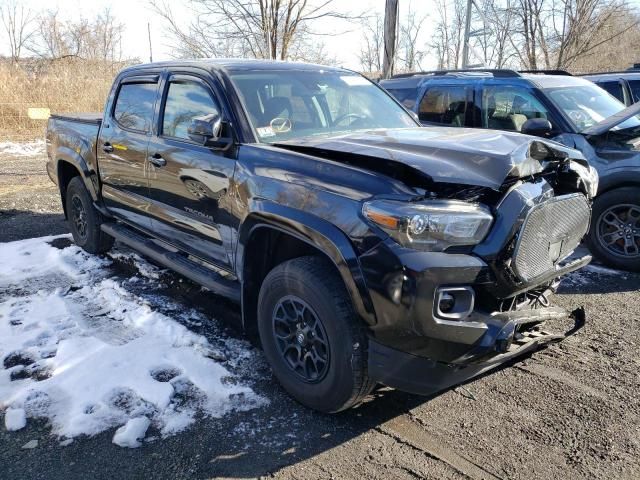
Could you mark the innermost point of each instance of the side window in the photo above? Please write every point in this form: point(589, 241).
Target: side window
point(614, 88)
point(507, 108)
point(446, 105)
point(185, 101)
point(134, 106)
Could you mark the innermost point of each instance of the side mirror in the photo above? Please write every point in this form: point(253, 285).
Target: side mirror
point(207, 131)
point(538, 127)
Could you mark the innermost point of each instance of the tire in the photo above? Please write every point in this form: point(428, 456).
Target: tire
point(84, 220)
point(313, 287)
point(614, 236)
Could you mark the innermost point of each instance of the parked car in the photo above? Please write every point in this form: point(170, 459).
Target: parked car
point(556, 106)
point(361, 247)
point(624, 85)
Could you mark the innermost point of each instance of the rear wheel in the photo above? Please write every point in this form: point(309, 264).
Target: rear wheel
point(84, 220)
point(614, 236)
point(311, 336)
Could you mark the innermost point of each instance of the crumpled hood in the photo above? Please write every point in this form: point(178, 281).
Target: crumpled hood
point(445, 154)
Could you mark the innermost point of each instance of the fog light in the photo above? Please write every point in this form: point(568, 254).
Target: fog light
point(447, 302)
point(453, 303)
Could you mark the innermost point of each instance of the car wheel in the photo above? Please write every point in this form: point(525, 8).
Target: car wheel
point(614, 236)
point(84, 220)
point(311, 336)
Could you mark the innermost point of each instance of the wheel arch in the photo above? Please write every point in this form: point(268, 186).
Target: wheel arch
point(619, 179)
point(68, 166)
point(286, 233)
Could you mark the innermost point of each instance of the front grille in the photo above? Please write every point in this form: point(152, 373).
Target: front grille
point(551, 231)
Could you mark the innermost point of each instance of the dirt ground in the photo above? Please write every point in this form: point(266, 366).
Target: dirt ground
point(569, 411)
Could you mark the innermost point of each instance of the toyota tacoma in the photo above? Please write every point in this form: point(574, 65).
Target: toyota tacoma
point(362, 248)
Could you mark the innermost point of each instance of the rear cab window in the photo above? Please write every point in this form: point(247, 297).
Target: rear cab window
point(133, 109)
point(444, 105)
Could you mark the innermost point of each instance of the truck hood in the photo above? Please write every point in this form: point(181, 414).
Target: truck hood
point(608, 123)
point(464, 156)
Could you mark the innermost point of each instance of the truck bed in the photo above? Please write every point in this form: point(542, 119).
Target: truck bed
point(85, 117)
point(73, 137)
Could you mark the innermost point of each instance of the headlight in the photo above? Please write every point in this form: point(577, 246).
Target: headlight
point(431, 226)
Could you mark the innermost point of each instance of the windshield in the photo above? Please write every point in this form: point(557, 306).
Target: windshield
point(288, 104)
point(586, 105)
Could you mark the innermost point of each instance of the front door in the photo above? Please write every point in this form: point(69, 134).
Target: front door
point(189, 184)
point(122, 149)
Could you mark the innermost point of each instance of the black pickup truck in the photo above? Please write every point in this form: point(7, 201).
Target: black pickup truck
point(362, 248)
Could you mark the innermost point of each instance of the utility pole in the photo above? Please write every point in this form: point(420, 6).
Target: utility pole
point(390, 28)
point(467, 35)
point(150, 49)
point(467, 48)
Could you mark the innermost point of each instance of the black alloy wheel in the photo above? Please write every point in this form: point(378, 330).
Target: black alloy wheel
point(301, 338)
point(614, 236)
point(315, 343)
point(79, 217)
point(84, 219)
point(618, 230)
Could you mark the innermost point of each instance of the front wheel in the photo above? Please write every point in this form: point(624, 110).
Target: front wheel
point(85, 220)
point(614, 236)
point(311, 336)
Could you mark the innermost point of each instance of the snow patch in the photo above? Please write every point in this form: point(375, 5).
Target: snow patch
point(81, 350)
point(15, 419)
point(130, 434)
point(23, 149)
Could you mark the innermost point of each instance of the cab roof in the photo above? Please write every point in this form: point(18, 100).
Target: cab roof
point(236, 64)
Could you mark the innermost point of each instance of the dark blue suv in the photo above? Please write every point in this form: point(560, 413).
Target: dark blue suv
point(555, 105)
point(624, 85)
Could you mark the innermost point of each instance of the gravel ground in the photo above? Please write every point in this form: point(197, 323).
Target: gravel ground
point(569, 411)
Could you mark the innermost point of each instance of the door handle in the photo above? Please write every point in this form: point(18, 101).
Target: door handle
point(157, 160)
point(107, 147)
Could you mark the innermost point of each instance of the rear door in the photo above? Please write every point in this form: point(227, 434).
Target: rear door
point(188, 182)
point(122, 148)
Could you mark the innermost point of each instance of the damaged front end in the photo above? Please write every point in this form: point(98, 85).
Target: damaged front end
point(476, 295)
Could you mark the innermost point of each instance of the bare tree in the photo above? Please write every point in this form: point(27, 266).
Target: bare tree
point(249, 28)
point(583, 26)
point(409, 52)
point(499, 17)
point(607, 55)
point(372, 45)
point(97, 39)
point(18, 25)
point(448, 38)
point(535, 34)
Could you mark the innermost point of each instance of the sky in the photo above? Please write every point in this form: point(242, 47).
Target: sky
point(342, 39)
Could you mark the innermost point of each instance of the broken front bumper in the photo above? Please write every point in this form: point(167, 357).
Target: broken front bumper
point(523, 332)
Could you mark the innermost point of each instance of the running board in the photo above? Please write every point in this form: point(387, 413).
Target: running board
point(177, 262)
